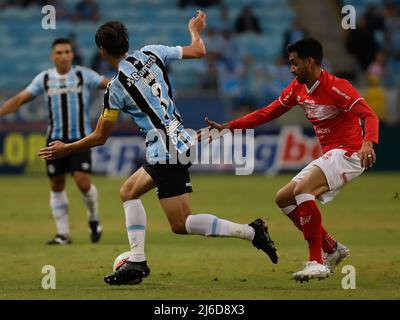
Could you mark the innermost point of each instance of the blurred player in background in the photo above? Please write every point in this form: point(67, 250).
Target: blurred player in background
point(66, 88)
point(142, 89)
point(335, 108)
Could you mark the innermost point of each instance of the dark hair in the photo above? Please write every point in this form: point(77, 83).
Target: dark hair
point(61, 41)
point(113, 37)
point(307, 48)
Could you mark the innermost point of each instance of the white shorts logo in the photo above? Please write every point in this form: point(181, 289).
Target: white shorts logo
point(85, 166)
point(51, 168)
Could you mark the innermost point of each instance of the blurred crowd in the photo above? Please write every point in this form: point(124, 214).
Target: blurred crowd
point(375, 43)
point(231, 71)
point(84, 9)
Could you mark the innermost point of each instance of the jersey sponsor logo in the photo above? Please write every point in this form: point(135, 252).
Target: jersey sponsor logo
point(145, 70)
point(341, 93)
point(322, 131)
point(319, 111)
point(64, 90)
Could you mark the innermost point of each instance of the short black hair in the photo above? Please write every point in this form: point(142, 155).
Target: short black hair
point(307, 48)
point(113, 37)
point(61, 41)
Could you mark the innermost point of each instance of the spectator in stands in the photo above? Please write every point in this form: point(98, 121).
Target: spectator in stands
point(200, 3)
point(278, 77)
point(228, 50)
point(375, 96)
point(78, 59)
point(377, 67)
point(86, 10)
point(101, 66)
point(223, 23)
point(295, 33)
point(362, 44)
point(61, 10)
point(247, 21)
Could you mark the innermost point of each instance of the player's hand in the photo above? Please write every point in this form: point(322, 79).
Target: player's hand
point(216, 125)
point(367, 154)
point(55, 150)
point(198, 23)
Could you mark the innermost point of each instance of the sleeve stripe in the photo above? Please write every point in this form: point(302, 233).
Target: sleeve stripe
point(354, 103)
point(180, 52)
point(283, 103)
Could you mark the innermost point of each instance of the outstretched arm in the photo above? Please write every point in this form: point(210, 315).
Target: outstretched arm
point(270, 112)
point(197, 48)
point(12, 104)
point(99, 136)
point(371, 132)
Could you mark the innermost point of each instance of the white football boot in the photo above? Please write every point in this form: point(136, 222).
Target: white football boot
point(312, 270)
point(331, 260)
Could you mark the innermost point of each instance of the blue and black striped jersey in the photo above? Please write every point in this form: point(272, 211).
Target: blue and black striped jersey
point(142, 90)
point(68, 100)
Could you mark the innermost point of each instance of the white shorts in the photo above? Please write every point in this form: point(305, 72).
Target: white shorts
point(338, 168)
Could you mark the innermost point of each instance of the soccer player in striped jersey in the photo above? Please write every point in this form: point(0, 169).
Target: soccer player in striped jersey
point(335, 108)
point(142, 90)
point(66, 88)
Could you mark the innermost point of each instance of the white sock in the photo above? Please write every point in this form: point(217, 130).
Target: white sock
point(59, 209)
point(90, 199)
point(211, 226)
point(135, 221)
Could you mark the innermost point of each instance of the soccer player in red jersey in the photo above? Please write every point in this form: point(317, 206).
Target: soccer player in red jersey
point(334, 107)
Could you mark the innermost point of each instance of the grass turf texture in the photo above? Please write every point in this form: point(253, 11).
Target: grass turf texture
point(364, 216)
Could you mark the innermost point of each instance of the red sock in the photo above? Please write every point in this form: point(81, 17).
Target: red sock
point(310, 220)
point(328, 242)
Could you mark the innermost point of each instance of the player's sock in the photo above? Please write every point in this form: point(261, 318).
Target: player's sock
point(135, 221)
point(293, 213)
point(59, 209)
point(328, 242)
point(211, 226)
point(310, 220)
point(90, 199)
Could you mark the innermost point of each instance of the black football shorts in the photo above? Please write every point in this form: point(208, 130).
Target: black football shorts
point(170, 179)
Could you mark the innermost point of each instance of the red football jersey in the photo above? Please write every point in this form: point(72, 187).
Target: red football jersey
point(327, 104)
point(332, 105)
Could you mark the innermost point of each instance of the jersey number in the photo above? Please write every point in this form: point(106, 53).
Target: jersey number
point(157, 92)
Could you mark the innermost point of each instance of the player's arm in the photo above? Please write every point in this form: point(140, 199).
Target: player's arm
point(266, 114)
point(371, 132)
point(12, 104)
point(104, 82)
point(99, 136)
point(197, 48)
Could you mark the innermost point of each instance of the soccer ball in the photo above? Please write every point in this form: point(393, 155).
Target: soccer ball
point(121, 260)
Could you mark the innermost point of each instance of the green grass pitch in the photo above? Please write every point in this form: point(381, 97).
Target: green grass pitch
point(365, 216)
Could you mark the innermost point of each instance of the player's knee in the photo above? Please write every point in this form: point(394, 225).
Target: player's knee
point(280, 198)
point(178, 227)
point(84, 187)
point(126, 192)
